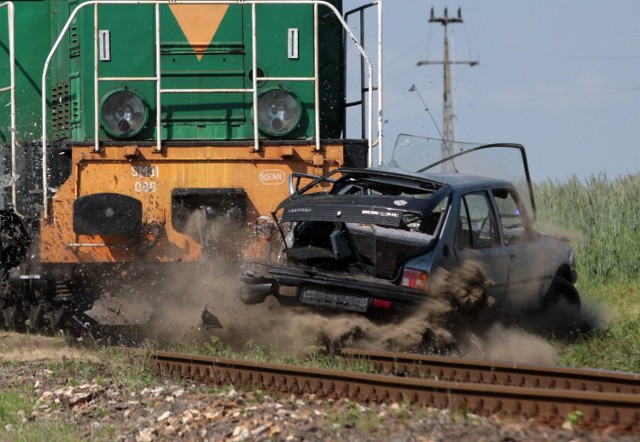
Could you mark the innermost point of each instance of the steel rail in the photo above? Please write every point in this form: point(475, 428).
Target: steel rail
point(598, 409)
point(496, 372)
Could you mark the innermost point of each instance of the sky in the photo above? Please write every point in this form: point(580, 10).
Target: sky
point(560, 77)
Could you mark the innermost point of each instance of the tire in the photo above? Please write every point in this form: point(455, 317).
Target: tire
point(562, 292)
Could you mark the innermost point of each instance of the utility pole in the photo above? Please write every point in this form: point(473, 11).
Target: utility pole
point(448, 104)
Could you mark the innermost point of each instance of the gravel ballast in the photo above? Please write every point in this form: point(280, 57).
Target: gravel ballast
point(79, 387)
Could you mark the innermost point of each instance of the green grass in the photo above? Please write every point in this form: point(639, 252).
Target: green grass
point(17, 426)
point(617, 345)
point(76, 371)
point(351, 415)
point(251, 351)
point(602, 217)
point(129, 371)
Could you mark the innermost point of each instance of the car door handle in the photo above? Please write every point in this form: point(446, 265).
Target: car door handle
point(512, 256)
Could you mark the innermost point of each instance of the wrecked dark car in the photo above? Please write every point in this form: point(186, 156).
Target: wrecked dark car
point(369, 240)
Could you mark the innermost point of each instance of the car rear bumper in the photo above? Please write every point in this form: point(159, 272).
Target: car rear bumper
point(343, 292)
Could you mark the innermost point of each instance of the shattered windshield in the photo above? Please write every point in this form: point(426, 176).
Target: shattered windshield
point(413, 153)
point(502, 161)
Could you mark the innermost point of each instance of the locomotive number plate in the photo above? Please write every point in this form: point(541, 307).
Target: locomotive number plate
point(145, 175)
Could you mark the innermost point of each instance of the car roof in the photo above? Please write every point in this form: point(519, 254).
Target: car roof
point(460, 181)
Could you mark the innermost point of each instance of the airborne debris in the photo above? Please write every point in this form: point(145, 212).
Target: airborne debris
point(209, 320)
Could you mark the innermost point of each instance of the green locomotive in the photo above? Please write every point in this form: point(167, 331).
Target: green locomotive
point(121, 120)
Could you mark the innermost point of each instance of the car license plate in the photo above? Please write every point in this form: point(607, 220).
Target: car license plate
point(332, 299)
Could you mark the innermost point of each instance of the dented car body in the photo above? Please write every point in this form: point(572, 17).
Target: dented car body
point(370, 240)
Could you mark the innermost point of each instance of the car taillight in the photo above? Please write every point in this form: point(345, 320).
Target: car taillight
point(415, 279)
point(382, 304)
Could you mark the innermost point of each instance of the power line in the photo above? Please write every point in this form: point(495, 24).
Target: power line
point(445, 20)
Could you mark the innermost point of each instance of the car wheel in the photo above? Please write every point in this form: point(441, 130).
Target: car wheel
point(562, 293)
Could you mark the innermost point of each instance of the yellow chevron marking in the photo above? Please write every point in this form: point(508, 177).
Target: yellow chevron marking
point(199, 23)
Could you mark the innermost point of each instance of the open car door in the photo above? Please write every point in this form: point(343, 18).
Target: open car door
point(505, 161)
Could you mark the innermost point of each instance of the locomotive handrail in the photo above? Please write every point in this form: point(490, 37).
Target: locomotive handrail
point(12, 97)
point(361, 10)
point(256, 78)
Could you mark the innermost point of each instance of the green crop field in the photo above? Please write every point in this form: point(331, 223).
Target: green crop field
point(602, 218)
point(605, 216)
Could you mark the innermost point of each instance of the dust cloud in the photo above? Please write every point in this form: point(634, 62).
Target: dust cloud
point(179, 295)
point(457, 317)
point(298, 330)
point(454, 320)
point(508, 344)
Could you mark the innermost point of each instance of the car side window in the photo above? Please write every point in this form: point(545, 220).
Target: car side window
point(477, 226)
point(511, 215)
point(431, 222)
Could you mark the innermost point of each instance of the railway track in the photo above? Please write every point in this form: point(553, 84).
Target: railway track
point(550, 403)
point(496, 372)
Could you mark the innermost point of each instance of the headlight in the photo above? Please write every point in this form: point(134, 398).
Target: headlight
point(123, 113)
point(279, 112)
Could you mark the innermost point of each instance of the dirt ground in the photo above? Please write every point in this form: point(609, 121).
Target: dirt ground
point(103, 408)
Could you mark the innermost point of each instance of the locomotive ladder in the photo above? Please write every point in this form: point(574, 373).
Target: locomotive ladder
point(12, 99)
point(253, 90)
point(364, 89)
